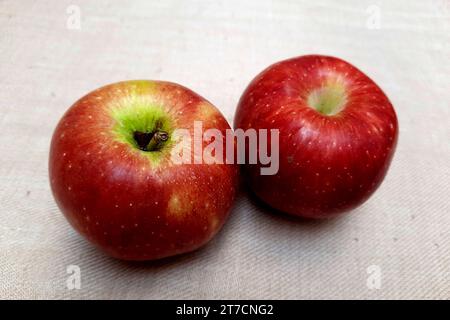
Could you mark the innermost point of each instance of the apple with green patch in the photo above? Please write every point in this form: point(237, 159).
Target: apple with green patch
point(338, 133)
point(113, 177)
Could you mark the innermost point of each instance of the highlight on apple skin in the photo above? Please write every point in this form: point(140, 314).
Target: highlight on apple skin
point(338, 133)
point(112, 176)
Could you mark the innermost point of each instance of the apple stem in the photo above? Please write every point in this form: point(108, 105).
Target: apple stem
point(150, 141)
point(158, 138)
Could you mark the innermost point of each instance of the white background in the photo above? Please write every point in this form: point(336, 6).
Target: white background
point(216, 48)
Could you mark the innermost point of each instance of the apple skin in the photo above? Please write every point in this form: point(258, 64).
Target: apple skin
point(114, 195)
point(330, 163)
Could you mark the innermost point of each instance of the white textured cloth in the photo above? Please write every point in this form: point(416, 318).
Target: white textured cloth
point(394, 246)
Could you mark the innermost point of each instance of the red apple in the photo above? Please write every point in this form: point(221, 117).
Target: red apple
point(337, 135)
point(113, 177)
